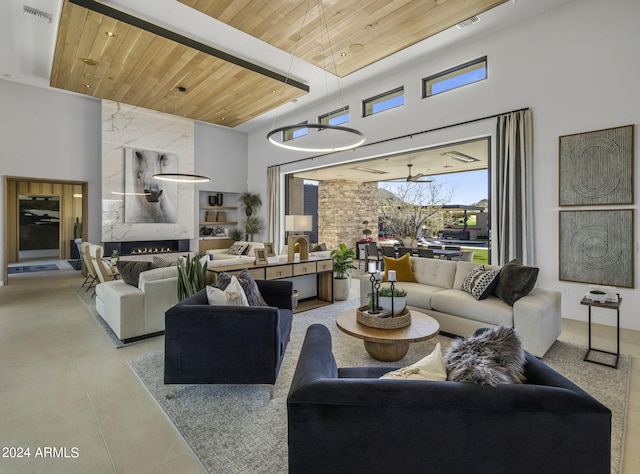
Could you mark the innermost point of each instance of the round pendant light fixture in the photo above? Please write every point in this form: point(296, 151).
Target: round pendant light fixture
point(181, 177)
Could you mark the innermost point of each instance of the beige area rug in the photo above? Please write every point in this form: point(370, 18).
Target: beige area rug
point(237, 429)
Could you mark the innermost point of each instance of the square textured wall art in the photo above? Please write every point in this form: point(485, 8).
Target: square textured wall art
point(596, 168)
point(597, 247)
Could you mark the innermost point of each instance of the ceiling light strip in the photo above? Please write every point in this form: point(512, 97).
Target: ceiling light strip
point(185, 41)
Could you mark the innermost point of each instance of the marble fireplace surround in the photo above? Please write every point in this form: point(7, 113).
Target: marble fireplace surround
point(125, 126)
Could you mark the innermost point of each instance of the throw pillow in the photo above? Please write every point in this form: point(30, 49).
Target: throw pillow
point(232, 295)
point(237, 249)
point(401, 265)
point(490, 358)
point(430, 368)
point(480, 282)
point(515, 281)
point(160, 262)
point(130, 270)
point(222, 280)
point(250, 287)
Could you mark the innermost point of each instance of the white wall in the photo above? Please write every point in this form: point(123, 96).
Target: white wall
point(576, 67)
point(50, 134)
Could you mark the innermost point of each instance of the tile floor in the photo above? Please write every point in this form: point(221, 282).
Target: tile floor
point(63, 385)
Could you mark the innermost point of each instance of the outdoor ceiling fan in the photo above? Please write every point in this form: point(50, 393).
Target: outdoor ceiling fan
point(416, 178)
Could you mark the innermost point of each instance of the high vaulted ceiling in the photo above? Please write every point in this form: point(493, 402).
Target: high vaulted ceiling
point(231, 70)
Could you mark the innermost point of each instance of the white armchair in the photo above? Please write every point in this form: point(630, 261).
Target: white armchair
point(135, 312)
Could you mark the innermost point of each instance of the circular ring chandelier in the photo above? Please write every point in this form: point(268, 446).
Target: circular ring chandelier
point(356, 136)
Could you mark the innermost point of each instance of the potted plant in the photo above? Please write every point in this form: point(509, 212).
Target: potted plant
point(192, 276)
point(342, 263)
point(236, 235)
point(252, 224)
point(399, 299)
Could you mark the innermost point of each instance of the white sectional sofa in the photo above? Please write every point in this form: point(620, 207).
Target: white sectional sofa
point(133, 312)
point(437, 292)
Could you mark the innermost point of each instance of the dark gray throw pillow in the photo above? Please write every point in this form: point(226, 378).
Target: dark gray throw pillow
point(222, 281)
point(250, 287)
point(515, 281)
point(490, 358)
point(130, 270)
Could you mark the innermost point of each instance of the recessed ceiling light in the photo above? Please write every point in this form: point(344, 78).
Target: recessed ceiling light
point(89, 62)
point(356, 48)
point(343, 54)
point(369, 170)
point(111, 34)
point(456, 155)
point(88, 86)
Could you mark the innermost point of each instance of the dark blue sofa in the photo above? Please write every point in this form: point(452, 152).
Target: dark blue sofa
point(349, 421)
point(228, 344)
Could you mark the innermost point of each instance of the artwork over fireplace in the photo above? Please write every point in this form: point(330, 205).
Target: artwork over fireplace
point(148, 200)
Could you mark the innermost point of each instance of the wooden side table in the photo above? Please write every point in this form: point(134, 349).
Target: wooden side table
point(608, 305)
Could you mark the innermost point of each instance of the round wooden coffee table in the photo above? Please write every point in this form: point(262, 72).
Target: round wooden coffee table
point(389, 345)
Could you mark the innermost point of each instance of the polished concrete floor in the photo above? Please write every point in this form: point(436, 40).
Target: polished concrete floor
point(64, 386)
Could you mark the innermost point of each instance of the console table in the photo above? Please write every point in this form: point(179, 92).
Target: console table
point(322, 268)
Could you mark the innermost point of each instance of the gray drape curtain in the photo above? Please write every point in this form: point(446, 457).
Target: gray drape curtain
point(514, 187)
point(273, 203)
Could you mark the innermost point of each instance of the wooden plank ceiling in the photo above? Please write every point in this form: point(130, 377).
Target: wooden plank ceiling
point(361, 31)
point(141, 68)
point(106, 53)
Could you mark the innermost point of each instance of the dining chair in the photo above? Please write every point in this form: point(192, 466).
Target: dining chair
point(403, 250)
point(425, 253)
point(388, 251)
point(362, 251)
point(373, 254)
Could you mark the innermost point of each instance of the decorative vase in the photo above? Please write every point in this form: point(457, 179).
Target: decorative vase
point(399, 302)
point(340, 289)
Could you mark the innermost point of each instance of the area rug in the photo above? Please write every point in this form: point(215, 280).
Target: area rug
point(76, 264)
point(238, 429)
point(89, 302)
point(32, 268)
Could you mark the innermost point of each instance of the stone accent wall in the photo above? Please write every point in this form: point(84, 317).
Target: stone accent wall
point(342, 206)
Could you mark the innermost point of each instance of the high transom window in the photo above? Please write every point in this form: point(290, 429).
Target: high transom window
point(385, 101)
point(458, 76)
point(337, 117)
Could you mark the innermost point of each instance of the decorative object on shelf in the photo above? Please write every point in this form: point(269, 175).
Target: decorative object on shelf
point(261, 256)
point(333, 137)
point(206, 230)
point(211, 216)
point(221, 216)
point(270, 249)
point(300, 242)
point(597, 247)
point(192, 275)
point(213, 199)
point(342, 264)
point(596, 168)
point(220, 199)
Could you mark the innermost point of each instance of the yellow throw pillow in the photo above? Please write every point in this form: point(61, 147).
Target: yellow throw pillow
point(401, 265)
point(431, 367)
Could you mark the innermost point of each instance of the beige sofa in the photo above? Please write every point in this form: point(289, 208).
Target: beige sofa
point(134, 312)
point(221, 257)
point(437, 293)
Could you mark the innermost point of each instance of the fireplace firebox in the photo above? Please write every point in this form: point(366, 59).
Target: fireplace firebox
point(145, 247)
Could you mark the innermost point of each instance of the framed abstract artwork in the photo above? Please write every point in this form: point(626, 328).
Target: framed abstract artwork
point(596, 247)
point(596, 168)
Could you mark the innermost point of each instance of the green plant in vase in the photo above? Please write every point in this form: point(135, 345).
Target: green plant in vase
point(236, 235)
point(192, 276)
point(342, 263)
